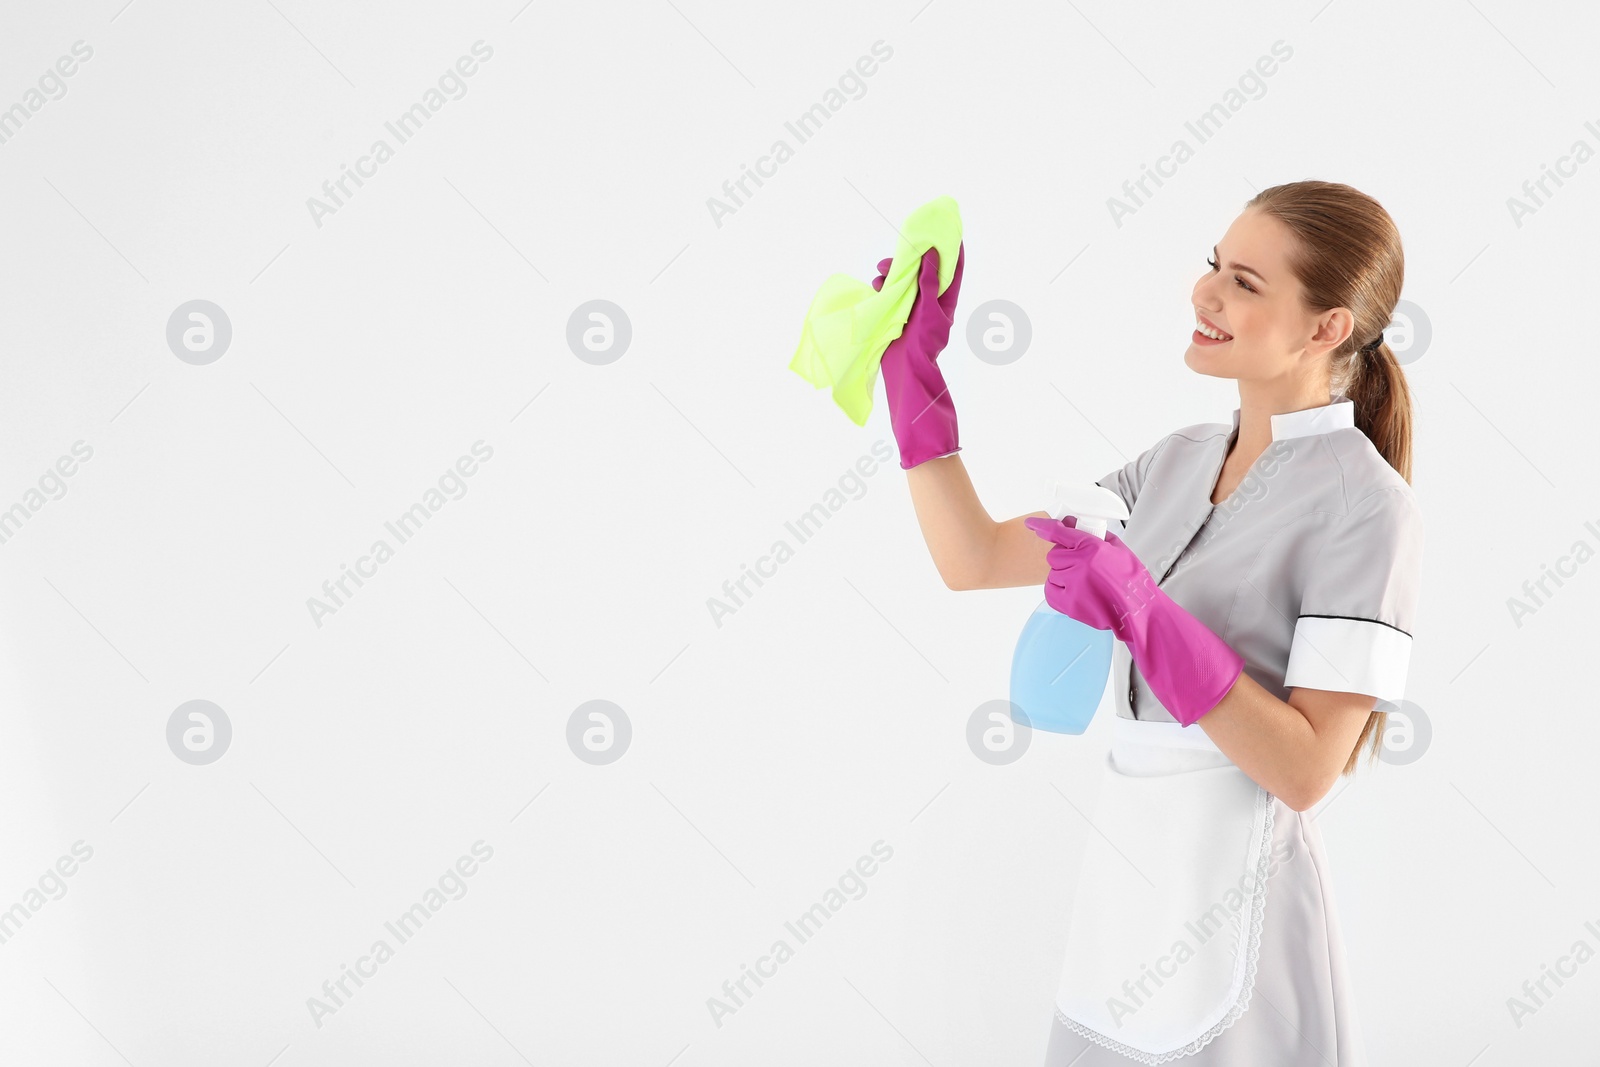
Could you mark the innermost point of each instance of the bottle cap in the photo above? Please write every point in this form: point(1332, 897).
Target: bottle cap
point(1092, 505)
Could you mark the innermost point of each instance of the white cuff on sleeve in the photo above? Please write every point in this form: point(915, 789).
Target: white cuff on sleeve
point(1348, 656)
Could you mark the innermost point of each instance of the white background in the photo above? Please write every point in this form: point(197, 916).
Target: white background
point(829, 712)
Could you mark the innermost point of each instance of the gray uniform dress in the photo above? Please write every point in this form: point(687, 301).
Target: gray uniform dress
point(1309, 570)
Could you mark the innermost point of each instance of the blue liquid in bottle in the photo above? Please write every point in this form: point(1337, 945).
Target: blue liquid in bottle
point(1060, 668)
point(1059, 672)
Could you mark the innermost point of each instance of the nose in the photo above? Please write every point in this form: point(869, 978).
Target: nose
point(1205, 295)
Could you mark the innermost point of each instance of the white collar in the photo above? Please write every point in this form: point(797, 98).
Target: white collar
point(1337, 415)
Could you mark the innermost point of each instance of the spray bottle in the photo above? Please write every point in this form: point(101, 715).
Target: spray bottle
point(1060, 667)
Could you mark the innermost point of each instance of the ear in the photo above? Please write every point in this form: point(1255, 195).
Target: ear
point(1334, 327)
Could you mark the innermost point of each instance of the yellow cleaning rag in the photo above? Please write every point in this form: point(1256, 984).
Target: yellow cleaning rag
point(850, 324)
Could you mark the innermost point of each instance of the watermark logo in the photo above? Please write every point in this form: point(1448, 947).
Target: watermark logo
point(1409, 333)
point(999, 332)
point(998, 732)
point(1407, 732)
point(599, 332)
point(599, 732)
point(199, 332)
point(199, 732)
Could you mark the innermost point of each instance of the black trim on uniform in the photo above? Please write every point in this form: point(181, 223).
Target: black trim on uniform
point(1357, 618)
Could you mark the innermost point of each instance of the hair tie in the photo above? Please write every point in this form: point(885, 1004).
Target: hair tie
point(1372, 345)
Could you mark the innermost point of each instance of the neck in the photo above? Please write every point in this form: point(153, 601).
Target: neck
point(1260, 400)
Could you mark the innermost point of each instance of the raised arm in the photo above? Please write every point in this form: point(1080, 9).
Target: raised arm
point(970, 549)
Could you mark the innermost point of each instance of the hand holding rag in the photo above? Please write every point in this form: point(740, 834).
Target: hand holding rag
point(1102, 582)
point(850, 323)
point(921, 412)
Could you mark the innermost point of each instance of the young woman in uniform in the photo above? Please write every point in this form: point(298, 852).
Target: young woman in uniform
point(1263, 592)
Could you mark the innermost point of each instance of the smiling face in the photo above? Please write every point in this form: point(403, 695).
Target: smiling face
point(1249, 294)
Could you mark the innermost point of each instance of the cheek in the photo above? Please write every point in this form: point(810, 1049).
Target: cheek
point(1261, 359)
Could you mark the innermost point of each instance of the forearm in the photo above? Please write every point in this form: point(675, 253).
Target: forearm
point(955, 526)
point(1271, 741)
point(970, 549)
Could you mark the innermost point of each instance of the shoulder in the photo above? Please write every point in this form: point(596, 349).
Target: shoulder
point(1367, 482)
point(1375, 511)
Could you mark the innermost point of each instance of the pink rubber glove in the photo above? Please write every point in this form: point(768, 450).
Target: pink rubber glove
point(920, 410)
point(1103, 583)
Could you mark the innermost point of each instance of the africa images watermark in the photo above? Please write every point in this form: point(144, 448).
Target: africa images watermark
point(52, 885)
point(802, 129)
point(402, 128)
point(736, 992)
point(52, 86)
point(403, 527)
point(1254, 486)
point(1136, 193)
point(803, 528)
point(1536, 993)
point(52, 485)
point(1143, 589)
point(1566, 566)
point(1222, 917)
point(1536, 192)
point(451, 885)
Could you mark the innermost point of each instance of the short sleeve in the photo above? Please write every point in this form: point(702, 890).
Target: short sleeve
point(1359, 605)
point(1126, 481)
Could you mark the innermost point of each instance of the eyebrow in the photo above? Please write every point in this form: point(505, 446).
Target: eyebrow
point(1240, 266)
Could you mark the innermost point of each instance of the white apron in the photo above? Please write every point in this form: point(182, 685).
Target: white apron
point(1166, 926)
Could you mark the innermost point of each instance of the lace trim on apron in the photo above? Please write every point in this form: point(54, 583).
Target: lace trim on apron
point(1252, 957)
point(1172, 804)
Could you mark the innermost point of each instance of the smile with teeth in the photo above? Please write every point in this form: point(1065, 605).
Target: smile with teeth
point(1214, 334)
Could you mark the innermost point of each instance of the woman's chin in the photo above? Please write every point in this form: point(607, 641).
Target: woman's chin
point(1197, 358)
point(1200, 359)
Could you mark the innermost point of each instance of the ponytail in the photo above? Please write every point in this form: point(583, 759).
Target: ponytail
point(1347, 254)
point(1383, 405)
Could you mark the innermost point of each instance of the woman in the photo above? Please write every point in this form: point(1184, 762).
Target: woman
point(1264, 590)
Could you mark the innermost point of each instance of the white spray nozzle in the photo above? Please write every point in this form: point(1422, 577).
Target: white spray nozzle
point(1093, 506)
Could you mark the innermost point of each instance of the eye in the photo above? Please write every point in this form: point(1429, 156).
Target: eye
point(1242, 283)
